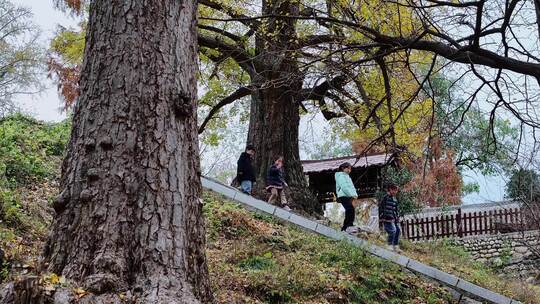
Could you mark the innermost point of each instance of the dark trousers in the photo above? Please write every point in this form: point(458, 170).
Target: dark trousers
point(346, 202)
point(393, 231)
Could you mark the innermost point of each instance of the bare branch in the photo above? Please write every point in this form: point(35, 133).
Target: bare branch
point(462, 55)
point(388, 97)
point(239, 93)
point(537, 10)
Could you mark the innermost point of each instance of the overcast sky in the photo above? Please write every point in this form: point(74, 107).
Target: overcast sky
point(46, 106)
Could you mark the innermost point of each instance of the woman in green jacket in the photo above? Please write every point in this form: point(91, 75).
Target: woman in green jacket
point(346, 192)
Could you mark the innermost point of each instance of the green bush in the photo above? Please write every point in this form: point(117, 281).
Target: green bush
point(4, 271)
point(29, 149)
point(10, 208)
point(400, 177)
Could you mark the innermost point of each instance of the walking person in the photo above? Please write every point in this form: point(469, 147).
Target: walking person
point(245, 175)
point(346, 193)
point(389, 216)
point(276, 183)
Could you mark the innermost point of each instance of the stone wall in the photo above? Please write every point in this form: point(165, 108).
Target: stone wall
point(512, 252)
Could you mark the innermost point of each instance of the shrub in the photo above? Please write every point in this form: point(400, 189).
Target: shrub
point(10, 208)
point(30, 150)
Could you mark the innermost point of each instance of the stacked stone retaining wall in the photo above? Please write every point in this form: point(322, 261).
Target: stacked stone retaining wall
point(516, 254)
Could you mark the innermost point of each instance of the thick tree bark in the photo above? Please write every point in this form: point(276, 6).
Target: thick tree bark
point(129, 217)
point(274, 113)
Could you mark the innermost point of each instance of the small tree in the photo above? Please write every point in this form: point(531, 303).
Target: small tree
point(64, 61)
point(20, 55)
point(434, 183)
point(524, 184)
point(439, 184)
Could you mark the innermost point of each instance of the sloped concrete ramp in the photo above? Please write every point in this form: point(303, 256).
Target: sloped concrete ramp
point(455, 283)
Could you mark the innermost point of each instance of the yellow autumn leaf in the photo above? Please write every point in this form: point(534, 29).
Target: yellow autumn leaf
point(54, 279)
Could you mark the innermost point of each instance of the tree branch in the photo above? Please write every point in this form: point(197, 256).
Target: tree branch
point(241, 92)
point(388, 96)
point(479, 56)
point(251, 23)
point(216, 30)
point(321, 90)
point(318, 39)
point(478, 25)
point(241, 56)
point(464, 55)
point(537, 10)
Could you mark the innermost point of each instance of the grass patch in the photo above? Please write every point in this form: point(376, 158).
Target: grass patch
point(264, 262)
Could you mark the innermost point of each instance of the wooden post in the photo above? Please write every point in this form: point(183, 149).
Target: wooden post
point(452, 225)
point(437, 227)
point(475, 223)
point(459, 224)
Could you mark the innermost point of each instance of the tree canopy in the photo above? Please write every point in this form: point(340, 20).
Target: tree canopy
point(375, 61)
point(396, 75)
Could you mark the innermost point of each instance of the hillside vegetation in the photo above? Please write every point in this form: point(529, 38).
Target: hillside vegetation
point(30, 156)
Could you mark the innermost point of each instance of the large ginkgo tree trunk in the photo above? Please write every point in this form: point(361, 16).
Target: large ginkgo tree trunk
point(128, 217)
point(275, 105)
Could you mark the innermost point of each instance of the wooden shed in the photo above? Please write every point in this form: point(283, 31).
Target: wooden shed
point(366, 174)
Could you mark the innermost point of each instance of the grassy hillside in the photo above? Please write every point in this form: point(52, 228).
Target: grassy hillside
point(446, 256)
point(254, 259)
point(30, 156)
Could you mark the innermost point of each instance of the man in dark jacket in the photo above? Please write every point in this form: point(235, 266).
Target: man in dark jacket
point(389, 216)
point(245, 174)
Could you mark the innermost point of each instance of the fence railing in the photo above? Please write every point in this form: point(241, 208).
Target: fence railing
point(461, 224)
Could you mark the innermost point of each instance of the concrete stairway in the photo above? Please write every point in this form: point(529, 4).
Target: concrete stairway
point(463, 287)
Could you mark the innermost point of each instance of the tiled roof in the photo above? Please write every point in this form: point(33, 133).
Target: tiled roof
point(311, 166)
